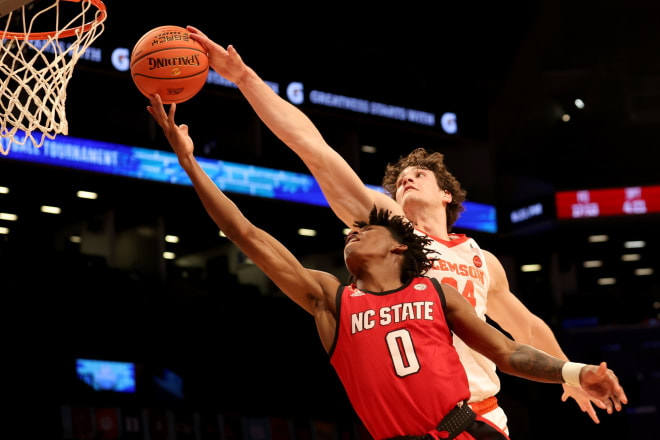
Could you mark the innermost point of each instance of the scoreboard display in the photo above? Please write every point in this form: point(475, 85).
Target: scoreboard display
point(608, 202)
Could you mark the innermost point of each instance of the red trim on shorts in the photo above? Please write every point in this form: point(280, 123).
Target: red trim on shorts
point(485, 406)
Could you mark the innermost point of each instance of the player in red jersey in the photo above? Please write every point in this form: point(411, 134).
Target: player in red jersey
point(432, 200)
point(389, 334)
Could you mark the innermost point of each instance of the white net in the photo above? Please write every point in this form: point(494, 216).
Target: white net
point(36, 67)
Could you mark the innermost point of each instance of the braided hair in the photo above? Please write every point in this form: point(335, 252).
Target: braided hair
point(415, 258)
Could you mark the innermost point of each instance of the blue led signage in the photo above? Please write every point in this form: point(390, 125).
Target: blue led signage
point(163, 166)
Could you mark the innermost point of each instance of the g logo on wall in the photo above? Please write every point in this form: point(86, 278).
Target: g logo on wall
point(295, 92)
point(448, 123)
point(120, 59)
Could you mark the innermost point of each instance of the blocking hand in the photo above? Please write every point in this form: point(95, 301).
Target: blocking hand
point(227, 63)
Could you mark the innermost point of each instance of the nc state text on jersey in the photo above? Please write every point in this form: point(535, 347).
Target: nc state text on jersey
point(391, 315)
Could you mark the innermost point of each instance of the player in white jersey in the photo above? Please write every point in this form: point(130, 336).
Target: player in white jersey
point(460, 263)
point(428, 195)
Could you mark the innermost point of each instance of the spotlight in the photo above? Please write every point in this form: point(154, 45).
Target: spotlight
point(51, 209)
point(171, 239)
point(606, 281)
point(530, 267)
point(87, 195)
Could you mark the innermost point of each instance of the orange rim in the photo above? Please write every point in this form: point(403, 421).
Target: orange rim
point(66, 33)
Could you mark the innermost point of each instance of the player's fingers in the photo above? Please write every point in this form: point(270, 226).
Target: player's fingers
point(618, 393)
point(195, 31)
point(592, 413)
point(564, 397)
point(157, 110)
point(600, 404)
point(171, 113)
point(184, 129)
point(201, 38)
point(609, 407)
point(152, 112)
point(156, 103)
point(616, 399)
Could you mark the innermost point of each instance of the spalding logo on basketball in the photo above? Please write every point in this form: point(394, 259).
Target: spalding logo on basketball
point(166, 61)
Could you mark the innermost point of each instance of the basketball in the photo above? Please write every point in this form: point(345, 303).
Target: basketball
point(168, 62)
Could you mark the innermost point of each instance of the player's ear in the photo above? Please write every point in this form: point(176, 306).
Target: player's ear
point(398, 248)
point(448, 197)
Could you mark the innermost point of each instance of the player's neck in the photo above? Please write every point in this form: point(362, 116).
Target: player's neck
point(379, 278)
point(377, 285)
point(431, 221)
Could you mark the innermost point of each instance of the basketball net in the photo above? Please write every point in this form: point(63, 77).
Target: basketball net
point(36, 68)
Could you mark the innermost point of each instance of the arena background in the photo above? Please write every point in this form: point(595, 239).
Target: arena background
point(218, 351)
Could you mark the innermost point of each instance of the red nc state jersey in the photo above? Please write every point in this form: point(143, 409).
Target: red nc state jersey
point(461, 263)
point(394, 355)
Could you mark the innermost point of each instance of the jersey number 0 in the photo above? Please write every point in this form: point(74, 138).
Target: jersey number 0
point(402, 352)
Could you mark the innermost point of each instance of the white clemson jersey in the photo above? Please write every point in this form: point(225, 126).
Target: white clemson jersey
point(461, 264)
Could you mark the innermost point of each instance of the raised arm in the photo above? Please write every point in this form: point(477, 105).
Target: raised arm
point(348, 197)
point(525, 327)
point(525, 361)
point(312, 290)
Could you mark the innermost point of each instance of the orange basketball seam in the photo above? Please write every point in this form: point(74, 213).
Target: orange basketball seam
point(168, 79)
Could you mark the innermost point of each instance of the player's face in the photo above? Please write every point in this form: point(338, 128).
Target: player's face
point(418, 185)
point(368, 240)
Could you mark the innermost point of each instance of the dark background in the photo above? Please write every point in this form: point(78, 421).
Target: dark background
point(508, 70)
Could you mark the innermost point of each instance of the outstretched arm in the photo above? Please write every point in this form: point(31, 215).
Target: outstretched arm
point(525, 327)
point(348, 197)
point(525, 361)
point(312, 290)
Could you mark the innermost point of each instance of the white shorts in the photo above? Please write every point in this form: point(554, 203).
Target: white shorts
point(498, 417)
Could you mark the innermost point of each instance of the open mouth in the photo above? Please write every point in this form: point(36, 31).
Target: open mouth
point(351, 238)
